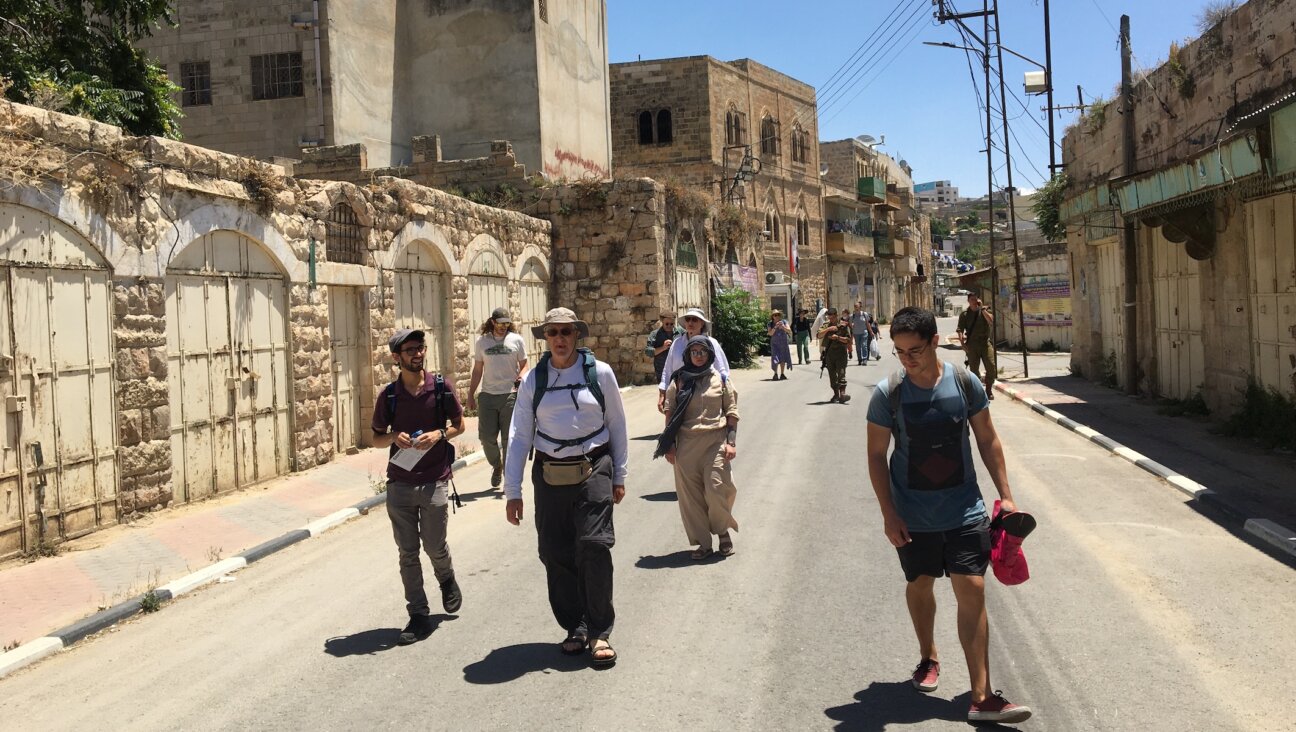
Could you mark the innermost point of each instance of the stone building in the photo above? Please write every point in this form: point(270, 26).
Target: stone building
point(219, 322)
point(275, 77)
point(1213, 214)
point(878, 191)
point(742, 134)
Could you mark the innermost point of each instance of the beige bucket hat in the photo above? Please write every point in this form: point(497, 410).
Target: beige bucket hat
point(558, 316)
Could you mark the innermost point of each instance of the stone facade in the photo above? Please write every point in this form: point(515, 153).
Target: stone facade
point(149, 208)
point(700, 95)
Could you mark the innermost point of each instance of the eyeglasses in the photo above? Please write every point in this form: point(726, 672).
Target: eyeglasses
point(698, 352)
point(692, 319)
point(667, 323)
point(555, 332)
point(414, 351)
point(912, 353)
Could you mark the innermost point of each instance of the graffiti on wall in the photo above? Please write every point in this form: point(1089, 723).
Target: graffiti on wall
point(566, 158)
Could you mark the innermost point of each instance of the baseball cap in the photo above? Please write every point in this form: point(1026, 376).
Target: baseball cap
point(399, 337)
point(501, 315)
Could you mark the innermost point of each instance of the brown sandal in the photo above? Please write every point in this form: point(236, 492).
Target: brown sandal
point(602, 661)
point(726, 546)
point(700, 554)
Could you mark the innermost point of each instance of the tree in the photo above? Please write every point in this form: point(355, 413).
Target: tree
point(78, 57)
point(740, 325)
point(940, 228)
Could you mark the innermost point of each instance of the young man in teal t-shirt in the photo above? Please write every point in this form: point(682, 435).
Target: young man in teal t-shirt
point(932, 510)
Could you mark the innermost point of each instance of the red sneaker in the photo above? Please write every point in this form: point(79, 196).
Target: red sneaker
point(995, 708)
point(926, 677)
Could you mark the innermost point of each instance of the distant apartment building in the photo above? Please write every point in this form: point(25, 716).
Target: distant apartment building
point(744, 135)
point(271, 77)
point(876, 242)
point(936, 193)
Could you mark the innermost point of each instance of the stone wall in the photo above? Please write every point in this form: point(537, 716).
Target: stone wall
point(143, 399)
point(312, 376)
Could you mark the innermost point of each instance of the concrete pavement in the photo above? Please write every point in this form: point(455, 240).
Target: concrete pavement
point(1141, 614)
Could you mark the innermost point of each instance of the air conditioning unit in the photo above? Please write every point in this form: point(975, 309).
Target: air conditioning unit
point(775, 278)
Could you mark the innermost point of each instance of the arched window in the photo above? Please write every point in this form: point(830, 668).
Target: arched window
point(803, 232)
point(735, 127)
point(664, 132)
point(777, 224)
point(769, 136)
point(645, 128)
point(345, 238)
point(800, 145)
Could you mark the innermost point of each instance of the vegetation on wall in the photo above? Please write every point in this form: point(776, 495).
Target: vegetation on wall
point(1213, 13)
point(733, 226)
point(78, 57)
point(1267, 416)
point(1179, 76)
point(1047, 208)
point(940, 227)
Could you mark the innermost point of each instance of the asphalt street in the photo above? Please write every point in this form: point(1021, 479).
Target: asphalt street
point(1141, 614)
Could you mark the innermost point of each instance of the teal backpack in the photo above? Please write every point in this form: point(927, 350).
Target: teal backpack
point(588, 362)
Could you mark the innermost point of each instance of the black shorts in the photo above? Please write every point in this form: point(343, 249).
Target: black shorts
point(965, 550)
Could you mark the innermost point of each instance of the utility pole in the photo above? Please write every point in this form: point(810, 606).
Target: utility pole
point(1012, 194)
point(1048, 79)
point(1127, 238)
point(994, 263)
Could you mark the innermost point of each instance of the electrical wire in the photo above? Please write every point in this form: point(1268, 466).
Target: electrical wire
point(915, 29)
point(885, 47)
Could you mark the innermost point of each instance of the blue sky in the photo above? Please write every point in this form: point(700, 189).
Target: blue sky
point(924, 100)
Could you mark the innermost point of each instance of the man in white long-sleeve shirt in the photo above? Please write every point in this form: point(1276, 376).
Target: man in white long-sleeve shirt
point(569, 410)
point(695, 323)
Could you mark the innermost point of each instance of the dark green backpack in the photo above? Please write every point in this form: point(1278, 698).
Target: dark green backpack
point(588, 363)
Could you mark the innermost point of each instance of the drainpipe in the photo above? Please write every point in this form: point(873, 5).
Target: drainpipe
point(319, 71)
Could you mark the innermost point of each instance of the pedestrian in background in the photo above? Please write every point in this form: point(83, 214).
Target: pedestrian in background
point(569, 409)
point(834, 347)
point(695, 323)
point(801, 331)
point(660, 340)
point(874, 350)
point(419, 411)
point(931, 504)
point(780, 335)
point(499, 361)
point(976, 335)
point(862, 329)
point(700, 440)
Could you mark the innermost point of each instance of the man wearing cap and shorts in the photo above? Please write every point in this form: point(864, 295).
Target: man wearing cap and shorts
point(695, 323)
point(500, 359)
point(931, 504)
point(419, 411)
point(569, 410)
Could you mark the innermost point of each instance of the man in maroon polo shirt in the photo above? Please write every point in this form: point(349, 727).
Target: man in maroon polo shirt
point(414, 413)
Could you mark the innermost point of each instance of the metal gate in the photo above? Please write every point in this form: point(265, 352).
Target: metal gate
point(688, 278)
point(487, 287)
point(423, 300)
point(58, 472)
point(346, 320)
point(1272, 251)
point(533, 295)
point(1176, 289)
point(229, 377)
point(1111, 293)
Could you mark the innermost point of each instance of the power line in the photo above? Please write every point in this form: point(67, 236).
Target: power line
point(827, 85)
point(914, 30)
point(884, 47)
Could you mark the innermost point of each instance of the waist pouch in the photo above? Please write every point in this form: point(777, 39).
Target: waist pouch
point(566, 472)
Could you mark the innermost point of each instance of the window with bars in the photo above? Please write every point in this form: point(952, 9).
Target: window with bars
point(345, 240)
point(277, 76)
point(195, 84)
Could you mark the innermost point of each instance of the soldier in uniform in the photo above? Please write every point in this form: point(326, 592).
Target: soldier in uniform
point(975, 331)
point(835, 341)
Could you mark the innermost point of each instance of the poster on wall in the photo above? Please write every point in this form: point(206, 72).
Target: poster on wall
point(1046, 302)
point(731, 275)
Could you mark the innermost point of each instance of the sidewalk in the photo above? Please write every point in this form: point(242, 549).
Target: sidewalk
point(1250, 484)
point(111, 566)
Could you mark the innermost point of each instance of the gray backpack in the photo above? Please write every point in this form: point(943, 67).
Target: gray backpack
point(962, 377)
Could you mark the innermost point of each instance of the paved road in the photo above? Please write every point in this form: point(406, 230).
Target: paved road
point(1141, 615)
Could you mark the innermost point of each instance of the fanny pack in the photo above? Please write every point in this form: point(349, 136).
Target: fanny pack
point(566, 472)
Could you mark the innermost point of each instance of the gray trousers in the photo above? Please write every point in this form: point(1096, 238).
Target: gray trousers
point(420, 513)
point(494, 414)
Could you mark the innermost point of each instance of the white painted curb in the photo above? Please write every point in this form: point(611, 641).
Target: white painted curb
point(29, 652)
point(190, 582)
point(315, 528)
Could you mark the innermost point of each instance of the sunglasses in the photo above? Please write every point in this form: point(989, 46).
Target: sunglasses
point(555, 332)
point(414, 351)
point(691, 319)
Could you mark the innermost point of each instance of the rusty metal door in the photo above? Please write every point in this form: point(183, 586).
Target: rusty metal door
point(533, 295)
point(1176, 289)
point(423, 300)
point(228, 370)
point(1272, 254)
point(346, 320)
point(58, 470)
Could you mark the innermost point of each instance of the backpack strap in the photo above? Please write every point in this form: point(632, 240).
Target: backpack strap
point(962, 378)
point(389, 398)
point(590, 371)
point(591, 377)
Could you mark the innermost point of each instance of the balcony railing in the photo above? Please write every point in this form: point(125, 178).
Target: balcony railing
point(891, 203)
point(840, 242)
point(883, 243)
point(871, 190)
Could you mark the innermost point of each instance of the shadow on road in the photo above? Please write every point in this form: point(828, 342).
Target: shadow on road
point(511, 663)
point(886, 703)
point(675, 560)
point(647, 437)
point(663, 496)
point(487, 493)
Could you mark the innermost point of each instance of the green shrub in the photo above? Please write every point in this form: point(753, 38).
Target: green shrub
point(1267, 416)
point(739, 323)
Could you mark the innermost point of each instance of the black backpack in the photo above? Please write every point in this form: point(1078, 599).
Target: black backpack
point(440, 390)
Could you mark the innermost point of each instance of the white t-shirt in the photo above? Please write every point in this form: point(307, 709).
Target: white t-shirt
point(501, 360)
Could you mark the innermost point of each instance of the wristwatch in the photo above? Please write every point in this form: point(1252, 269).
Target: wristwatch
point(443, 433)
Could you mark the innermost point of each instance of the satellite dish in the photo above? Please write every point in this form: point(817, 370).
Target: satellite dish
point(904, 163)
point(866, 139)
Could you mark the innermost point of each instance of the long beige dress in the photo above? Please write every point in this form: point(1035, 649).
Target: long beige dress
point(703, 478)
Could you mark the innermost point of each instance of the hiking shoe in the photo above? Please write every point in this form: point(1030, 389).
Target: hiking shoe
point(996, 708)
point(451, 597)
point(420, 627)
point(845, 398)
point(497, 476)
point(926, 677)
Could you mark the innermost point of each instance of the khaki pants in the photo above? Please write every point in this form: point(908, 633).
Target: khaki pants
point(704, 485)
point(420, 513)
point(980, 354)
point(494, 414)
